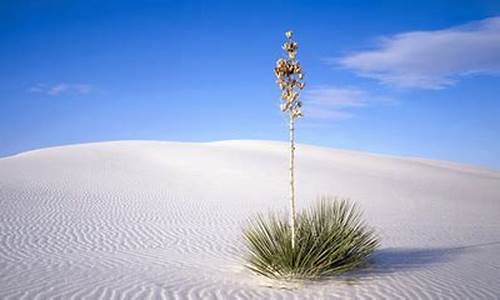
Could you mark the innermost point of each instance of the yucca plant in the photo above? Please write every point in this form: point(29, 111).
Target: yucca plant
point(331, 238)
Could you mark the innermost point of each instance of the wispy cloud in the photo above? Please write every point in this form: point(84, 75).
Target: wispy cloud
point(430, 59)
point(62, 89)
point(334, 103)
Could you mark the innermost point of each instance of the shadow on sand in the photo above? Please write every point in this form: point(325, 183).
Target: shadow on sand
point(393, 260)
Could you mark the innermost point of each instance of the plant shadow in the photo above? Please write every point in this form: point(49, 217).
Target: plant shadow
point(395, 260)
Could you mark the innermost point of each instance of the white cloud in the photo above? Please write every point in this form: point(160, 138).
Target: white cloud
point(62, 89)
point(333, 103)
point(431, 59)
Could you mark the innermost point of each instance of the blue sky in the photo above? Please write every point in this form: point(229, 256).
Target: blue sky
point(418, 79)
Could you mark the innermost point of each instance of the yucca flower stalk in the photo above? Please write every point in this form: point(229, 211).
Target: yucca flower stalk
point(290, 80)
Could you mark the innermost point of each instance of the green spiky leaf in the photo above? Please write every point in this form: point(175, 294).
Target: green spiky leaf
point(331, 238)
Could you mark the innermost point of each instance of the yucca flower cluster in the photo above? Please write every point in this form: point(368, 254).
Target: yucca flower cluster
point(290, 78)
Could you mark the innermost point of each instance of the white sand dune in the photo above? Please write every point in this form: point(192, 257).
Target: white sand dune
point(162, 220)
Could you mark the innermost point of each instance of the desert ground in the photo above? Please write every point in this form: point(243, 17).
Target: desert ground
point(163, 220)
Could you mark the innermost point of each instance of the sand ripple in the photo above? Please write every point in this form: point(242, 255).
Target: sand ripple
point(153, 220)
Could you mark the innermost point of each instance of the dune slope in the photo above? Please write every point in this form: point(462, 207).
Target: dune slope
point(162, 220)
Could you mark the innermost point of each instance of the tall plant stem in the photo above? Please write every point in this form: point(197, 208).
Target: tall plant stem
point(292, 179)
